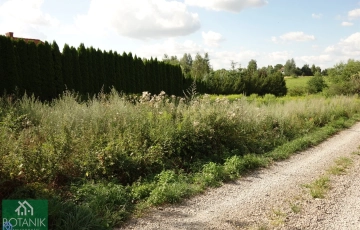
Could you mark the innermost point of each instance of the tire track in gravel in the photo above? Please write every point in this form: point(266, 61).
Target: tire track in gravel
point(248, 202)
point(341, 207)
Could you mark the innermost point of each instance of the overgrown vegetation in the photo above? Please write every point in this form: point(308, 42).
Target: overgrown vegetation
point(341, 165)
point(319, 187)
point(345, 78)
point(100, 160)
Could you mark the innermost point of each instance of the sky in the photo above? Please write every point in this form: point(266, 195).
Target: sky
point(320, 32)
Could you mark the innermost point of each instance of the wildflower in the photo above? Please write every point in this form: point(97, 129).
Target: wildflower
point(232, 115)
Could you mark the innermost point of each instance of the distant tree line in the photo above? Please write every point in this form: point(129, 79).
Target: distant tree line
point(290, 69)
point(250, 80)
point(46, 72)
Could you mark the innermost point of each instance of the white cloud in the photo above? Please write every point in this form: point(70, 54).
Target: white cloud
point(278, 56)
point(330, 49)
point(346, 48)
point(227, 5)
point(140, 19)
point(317, 16)
point(25, 17)
point(218, 60)
point(26, 11)
point(223, 59)
point(351, 45)
point(339, 17)
point(315, 59)
point(274, 39)
point(212, 39)
point(297, 36)
point(322, 60)
point(347, 23)
point(353, 14)
point(170, 47)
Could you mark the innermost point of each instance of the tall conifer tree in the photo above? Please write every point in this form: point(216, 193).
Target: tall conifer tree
point(34, 69)
point(131, 78)
point(101, 69)
point(2, 65)
point(125, 67)
point(67, 68)
point(58, 76)
point(84, 68)
point(111, 72)
point(47, 73)
point(8, 60)
point(22, 66)
point(93, 83)
point(117, 71)
point(76, 70)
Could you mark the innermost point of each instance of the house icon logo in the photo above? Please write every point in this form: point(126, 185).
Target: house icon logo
point(24, 209)
point(24, 215)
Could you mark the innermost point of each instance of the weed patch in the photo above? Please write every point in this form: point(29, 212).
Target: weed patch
point(277, 217)
point(319, 187)
point(295, 208)
point(341, 165)
point(105, 158)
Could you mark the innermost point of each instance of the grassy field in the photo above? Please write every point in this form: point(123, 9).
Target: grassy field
point(99, 161)
point(301, 81)
point(292, 82)
point(298, 86)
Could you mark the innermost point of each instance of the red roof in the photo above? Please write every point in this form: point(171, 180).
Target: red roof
point(11, 35)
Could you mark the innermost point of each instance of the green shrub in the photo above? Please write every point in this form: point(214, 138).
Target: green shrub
point(170, 188)
point(316, 84)
point(297, 91)
point(108, 201)
point(212, 174)
point(67, 215)
point(252, 161)
point(234, 166)
point(141, 191)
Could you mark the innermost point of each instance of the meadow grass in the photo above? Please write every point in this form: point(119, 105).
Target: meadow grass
point(292, 82)
point(115, 156)
point(298, 86)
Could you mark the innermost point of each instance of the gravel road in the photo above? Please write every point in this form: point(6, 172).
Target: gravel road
point(275, 197)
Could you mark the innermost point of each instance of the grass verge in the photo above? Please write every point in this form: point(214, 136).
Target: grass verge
point(108, 158)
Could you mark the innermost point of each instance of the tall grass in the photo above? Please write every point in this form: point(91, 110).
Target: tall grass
point(143, 149)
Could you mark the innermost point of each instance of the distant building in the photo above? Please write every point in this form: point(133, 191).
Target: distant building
point(282, 70)
point(11, 35)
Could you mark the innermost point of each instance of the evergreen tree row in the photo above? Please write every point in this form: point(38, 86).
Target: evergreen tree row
point(46, 72)
point(250, 80)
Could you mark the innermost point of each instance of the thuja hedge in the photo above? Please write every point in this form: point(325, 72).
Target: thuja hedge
point(46, 72)
point(114, 152)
